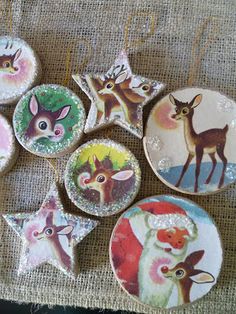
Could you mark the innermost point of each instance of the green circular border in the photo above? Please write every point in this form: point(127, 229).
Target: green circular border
point(44, 148)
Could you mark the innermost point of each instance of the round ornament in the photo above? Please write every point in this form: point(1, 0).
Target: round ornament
point(102, 177)
point(20, 69)
point(161, 251)
point(190, 140)
point(8, 146)
point(49, 121)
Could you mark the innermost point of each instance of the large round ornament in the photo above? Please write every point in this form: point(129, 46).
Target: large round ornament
point(49, 121)
point(190, 140)
point(102, 177)
point(165, 251)
point(20, 69)
point(8, 146)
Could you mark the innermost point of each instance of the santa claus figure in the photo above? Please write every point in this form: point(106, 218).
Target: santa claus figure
point(154, 235)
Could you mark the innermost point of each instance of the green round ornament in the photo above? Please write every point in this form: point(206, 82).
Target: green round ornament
point(49, 121)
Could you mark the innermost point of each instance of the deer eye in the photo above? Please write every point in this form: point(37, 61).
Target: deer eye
point(100, 179)
point(48, 231)
point(109, 85)
point(185, 111)
point(43, 125)
point(145, 88)
point(6, 64)
point(179, 273)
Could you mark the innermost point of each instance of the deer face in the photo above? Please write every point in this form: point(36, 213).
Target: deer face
point(185, 270)
point(50, 231)
point(184, 109)
point(179, 272)
point(43, 123)
point(103, 179)
point(7, 62)
point(108, 87)
point(112, 80)
point(102, 176)
point(144, 89)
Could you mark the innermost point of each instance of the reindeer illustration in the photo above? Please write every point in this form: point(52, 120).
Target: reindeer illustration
point(184, 275)
point(43, 123)
point(144, 89)
point(102, 180)
point(208, 142)
point(108, 103)
point(117, 83)
point(7, 62)
point(50, 234)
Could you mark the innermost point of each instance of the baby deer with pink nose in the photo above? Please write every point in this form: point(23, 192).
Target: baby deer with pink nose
point(184, 275)
point(7, 62)
point(50, 234)
point(103, 179)
point(43, 122)
point(208, 142)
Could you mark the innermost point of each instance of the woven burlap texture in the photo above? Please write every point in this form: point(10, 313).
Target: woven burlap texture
point(50, 27)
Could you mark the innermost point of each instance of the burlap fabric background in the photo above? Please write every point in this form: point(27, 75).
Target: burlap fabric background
point(53, 26)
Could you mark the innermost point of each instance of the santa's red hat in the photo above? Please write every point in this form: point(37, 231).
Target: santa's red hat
point(165, 215)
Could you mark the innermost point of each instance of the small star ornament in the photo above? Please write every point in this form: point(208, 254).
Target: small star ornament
point(117, 97)
point(50, 235)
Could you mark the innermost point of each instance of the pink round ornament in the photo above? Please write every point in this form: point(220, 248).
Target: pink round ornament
point(8, 146)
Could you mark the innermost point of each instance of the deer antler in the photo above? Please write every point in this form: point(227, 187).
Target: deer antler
point(113, 74)
point(8, 45)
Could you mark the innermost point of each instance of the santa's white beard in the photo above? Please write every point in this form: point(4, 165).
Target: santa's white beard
point(154, 288)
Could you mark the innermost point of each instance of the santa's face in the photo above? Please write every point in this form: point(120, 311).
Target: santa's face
point(172, 240)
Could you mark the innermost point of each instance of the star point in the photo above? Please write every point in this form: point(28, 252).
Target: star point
point(50, 235)
point(118, 96)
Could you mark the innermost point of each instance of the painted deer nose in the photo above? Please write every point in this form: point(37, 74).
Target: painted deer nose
point(164, 269)
point(35, 233)
point(57, 132)
point(86, 181)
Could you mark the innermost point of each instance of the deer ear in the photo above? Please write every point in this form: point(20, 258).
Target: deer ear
point(121, 78)
point(97, 163)
point(49, 219)
point(172, 99)
point(194, 257)
point(122, 175)
point(66, 230)
point(63, 112)
point(33, 105)
point(17, 54)
point(196, 100)
point(202, 277)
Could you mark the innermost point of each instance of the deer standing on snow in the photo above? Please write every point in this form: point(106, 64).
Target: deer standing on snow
point(44, 121)
point(102, 180)
point(7, 61)
point(184, 275)
point(208, 142)
point(50, 234)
